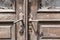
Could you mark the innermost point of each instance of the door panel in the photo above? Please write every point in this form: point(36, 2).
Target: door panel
point(5, 31)
point(49, 31)
point(5, 39)
point(49, 39)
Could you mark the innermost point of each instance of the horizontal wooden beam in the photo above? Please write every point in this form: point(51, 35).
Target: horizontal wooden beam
point(30, 20)
point(44, 20)
point(50, 26)
point(6, 20)
point(14, 21)
point(48, 10)
point(50, 37)
point(7, 10)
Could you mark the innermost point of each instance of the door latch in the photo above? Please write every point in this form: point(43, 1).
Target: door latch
point(23, 27)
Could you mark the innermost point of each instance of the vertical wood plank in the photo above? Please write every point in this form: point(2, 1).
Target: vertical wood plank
point(19, 11)
point(26, 19)
point(13, 32)
point(33, 12)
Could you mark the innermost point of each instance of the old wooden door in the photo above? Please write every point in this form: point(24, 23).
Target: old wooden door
point(44, 20)
point(7, 27)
